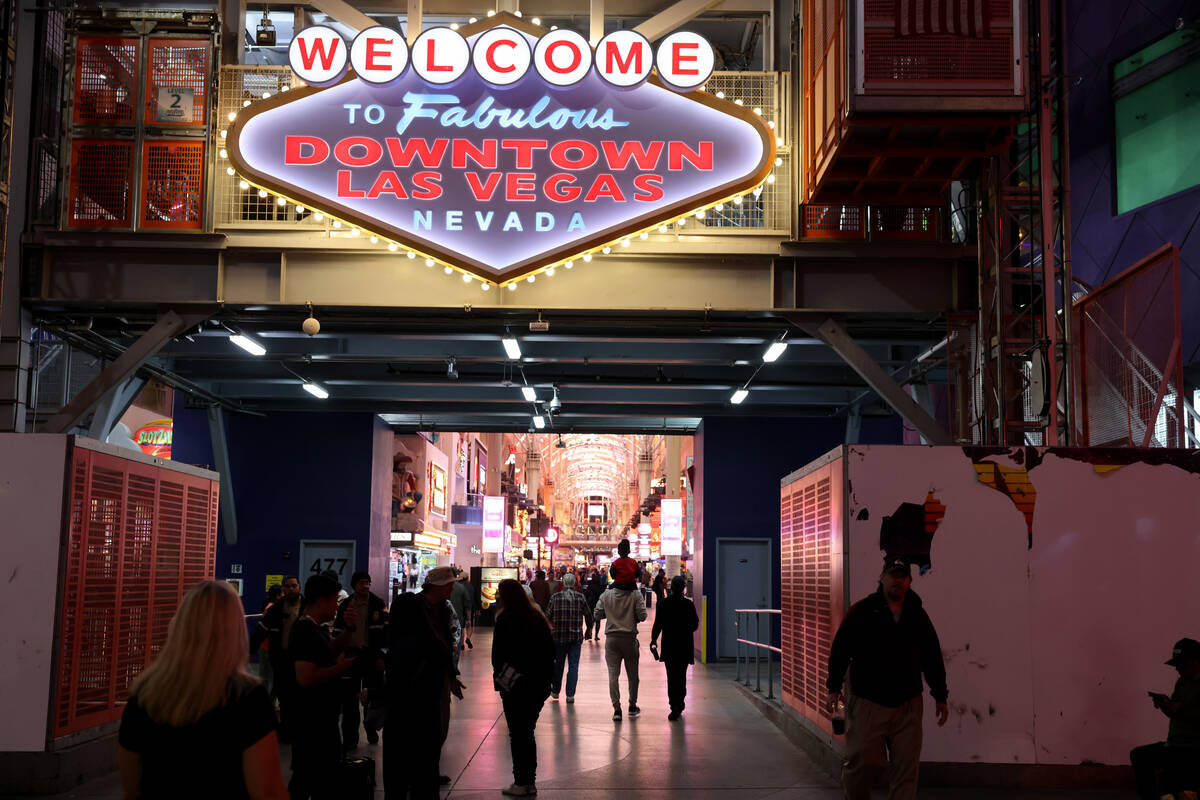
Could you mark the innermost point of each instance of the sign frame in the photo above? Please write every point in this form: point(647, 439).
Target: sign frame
point(445, 254)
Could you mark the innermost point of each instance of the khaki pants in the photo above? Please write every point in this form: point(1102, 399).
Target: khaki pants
point(618, 648)
point(875, 732)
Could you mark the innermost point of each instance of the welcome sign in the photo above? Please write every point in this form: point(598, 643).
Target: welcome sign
point(502, 149)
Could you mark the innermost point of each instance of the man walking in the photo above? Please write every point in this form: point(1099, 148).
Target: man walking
point(1179, 755)
point(540, 588)
point(275, 627)
point(368, 636)
point(677, 621)
point(887, 641)
point(568, 612)
point(595, 588)
point(624, 609)
point(435, 597)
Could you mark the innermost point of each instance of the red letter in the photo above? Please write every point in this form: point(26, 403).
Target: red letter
point(677, 58)
point(561, 195)
point(388, 182)
point(524, 148)
point(293, 150)
point(373, 54)
point(575, 52)
point(484, 191)
point(623, 64)
point(429, 156)
point(605, 186)
point(344, 189)
point(308, 56)
point(341, 151)
point(589, 155)
point(429, 59)
point(428, 186)
point(463, 149)
point(519, 186)
point(646, 157)
point(649, 188)
point(490, 56)
point(678, 152)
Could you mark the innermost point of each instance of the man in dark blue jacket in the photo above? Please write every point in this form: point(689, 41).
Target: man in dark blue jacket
point(887, 641)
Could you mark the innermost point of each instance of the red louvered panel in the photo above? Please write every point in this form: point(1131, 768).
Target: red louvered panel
point(132, 550)
point(106, 70)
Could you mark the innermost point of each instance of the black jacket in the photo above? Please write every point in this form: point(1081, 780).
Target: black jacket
point(676, 619)
point(886, 658)
point(376, 622)
point(270, 628)
point(525, 644)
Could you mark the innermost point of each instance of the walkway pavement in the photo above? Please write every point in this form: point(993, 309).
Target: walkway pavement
point(722, 749)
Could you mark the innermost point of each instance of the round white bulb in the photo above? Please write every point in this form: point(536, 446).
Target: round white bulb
point(758, 111)
point(411, 254)
point(550, 272)
point(569, 264)
point(281, 202)
point(721, 95)
point(699, 215)
point(243, 185)
point(771, 178)
point(374, 240)
point(299, 209)
point(771, 124)
point(737, 201)
point(512, 287)
point(429, 262)
point(537, 21)
point(662, 228)
point(719, 207)
point(266, 95)
point(681, 221)
point(355, 232)
point(738, 102)
point(245, 103)
point(779, 162)
point(643, 236)
point(587, 256)
point(453, 26)
point(224, 134)
point(232, 116)
point(284, 88)
point(491, 12)
point(319, 217)
point(466, 278)
point(486, 287)
point(473, 20)
point(262, 193)
point(392, 246)
point(222, 153)
point(229, 170)
point(606, 250)
point(447, 270)
point(337, 223)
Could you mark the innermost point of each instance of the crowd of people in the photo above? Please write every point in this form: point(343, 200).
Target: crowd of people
point(337, 662)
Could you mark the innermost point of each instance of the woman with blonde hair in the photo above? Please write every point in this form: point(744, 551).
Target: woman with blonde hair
point(197, 724)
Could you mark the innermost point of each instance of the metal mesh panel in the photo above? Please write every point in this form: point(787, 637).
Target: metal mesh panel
point(129, 560)
point(173, 185)
point(823, 86)
point(1131, 373)
point(954, 64)
point(177, 64)
point(100, 183)
point(820, 221)
point(900, 222)
point(963, 360)
point(106, 79)
point(806, 587)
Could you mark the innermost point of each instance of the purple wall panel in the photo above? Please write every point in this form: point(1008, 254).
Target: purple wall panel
point(1103, 243)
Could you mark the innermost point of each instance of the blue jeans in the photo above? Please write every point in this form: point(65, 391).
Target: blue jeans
point(566, 653)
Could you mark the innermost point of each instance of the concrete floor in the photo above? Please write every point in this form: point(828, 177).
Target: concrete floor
point(722, 749)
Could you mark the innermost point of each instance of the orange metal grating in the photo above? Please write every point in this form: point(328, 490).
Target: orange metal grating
point(807, 601)
point(173, 185)
point(177, 81)
point(821, 221)
point(138, 536)
point(100, 185)
point(106, 79)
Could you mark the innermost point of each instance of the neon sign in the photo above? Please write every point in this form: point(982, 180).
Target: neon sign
point(504, 149)
point(493, 524)
point(672, 526)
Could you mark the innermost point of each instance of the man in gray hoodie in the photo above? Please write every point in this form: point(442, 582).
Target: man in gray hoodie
point(624, 609)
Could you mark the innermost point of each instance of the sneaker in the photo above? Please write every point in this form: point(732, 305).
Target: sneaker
point(515, 790)
point(553, 696)
point(570, 699)
point(616, 715)
point(674, 715)
point(634, 711)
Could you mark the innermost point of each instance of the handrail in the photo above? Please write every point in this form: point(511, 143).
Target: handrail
point(758, 648)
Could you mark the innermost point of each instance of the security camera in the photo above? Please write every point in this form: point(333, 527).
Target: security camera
point(554, 407)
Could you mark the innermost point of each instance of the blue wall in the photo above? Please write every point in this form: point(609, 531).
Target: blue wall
point(295, 476)
point(1103, 243)
point(740, 462)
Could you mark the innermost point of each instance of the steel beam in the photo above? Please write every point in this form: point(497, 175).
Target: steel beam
point(595, 21)
point(169, 326)
point(113, 407)
point(861, 362)
point(220, 448)
point(415, 21)
point(345, 13)
point(673, 16)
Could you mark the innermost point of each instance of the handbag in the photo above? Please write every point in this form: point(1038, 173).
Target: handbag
point(506, 679)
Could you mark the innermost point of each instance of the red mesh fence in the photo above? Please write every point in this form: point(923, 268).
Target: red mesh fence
point(821, 221)
point(974, 65)
point(810, 604)
point(177, 81)
point(173, 185)
point(1129, 360)
point(100, 187)
point(138, 537)
point(106, 80)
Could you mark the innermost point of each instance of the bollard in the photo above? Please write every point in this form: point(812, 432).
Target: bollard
point(757, 656)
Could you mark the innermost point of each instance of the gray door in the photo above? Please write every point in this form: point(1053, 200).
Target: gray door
point(743, 581)
point(318, 555)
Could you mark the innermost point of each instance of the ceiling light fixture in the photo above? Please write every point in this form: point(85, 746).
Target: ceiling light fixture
point(316, 390)
point(511, 347)
point(451, 368)
point(529, 393)
point(539, 421)
point(739, 396)
point(775, 349)
point(248, 343)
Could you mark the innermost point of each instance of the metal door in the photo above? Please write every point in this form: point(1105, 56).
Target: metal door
point(743, 581)
point(319, 555)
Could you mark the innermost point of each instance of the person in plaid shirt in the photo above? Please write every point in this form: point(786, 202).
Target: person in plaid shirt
point(568, 611)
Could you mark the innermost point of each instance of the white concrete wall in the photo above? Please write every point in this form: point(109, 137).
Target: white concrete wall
point(32, 475)
point(1049, 650)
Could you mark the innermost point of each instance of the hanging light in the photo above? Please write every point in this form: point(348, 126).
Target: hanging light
point(248, 343)
point(512, 347)
point(739, 396)
point(775, 349)
point(316, 390)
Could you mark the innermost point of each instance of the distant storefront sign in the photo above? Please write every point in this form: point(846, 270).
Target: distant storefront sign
point(672, 526)
point(155, 438)
point(502, 149)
